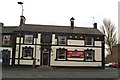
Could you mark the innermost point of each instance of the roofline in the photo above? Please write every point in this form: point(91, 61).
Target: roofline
point(58, 32)
point(56, 26)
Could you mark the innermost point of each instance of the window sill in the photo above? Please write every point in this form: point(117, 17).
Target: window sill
point(60, 59)
point(62, 44)
point(89, 45)
point(27, 58)
point(28, 43)
point(89, 60)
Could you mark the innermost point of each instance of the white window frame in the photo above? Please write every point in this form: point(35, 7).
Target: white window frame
point(58, 54)
point(59, 39)
point(91, 41)
point(25, 41)
point(6, 39)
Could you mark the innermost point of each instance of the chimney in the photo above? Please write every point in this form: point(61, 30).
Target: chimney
point(72, 22)
point(1, 24)
point(22, 20)
point(95, 25)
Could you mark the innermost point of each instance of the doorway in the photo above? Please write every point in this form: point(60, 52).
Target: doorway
point(5, 57)
point(45, 58)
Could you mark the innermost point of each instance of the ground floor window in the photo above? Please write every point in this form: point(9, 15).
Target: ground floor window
point(61, 54)
point(89, 55)
point(27, 53)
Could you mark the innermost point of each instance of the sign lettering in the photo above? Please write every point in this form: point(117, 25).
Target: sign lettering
point(75, 54)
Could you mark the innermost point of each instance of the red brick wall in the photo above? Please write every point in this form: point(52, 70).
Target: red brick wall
point(115, 57)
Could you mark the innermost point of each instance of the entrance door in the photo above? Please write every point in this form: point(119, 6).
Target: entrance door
point(45, 58)
point(6, 57)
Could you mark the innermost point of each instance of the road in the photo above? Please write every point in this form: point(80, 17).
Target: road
point(60, 73)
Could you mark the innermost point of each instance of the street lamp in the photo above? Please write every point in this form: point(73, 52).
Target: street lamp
point(21, 3)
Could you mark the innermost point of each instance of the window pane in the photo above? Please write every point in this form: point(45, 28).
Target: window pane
point(6, 39)
point(27, 53)
point(28, 39)
point(61, 54)
point(89, 41)
point(89, 55)
point(6, 42)
point(62, 40)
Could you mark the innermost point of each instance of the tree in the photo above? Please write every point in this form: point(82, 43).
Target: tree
point(108, 30)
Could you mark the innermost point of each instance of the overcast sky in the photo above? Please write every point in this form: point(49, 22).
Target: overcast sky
point(59, 12)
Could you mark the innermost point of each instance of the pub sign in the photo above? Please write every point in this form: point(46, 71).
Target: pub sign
point(75, 54)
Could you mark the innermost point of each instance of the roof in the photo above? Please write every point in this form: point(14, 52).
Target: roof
point(9, 29)
point(53, 28)
point(61, 29)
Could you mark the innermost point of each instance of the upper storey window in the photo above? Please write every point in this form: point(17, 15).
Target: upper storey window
point(62, 40)
point(89, 41)
point(6, 39)
point(28, 39)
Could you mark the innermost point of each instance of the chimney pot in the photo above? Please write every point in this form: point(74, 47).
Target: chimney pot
point(22, 21)
point(95, 25)
point(1, 24)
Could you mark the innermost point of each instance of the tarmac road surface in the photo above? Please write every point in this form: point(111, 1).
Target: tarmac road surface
point(60, 73)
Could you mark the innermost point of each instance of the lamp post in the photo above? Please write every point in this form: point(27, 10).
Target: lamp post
point(21, 3)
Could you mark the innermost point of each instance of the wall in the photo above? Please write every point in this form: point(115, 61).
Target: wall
point(98, 57)
point(38, 51)
point(115, 55)
point(72, 46)
point(9, 49)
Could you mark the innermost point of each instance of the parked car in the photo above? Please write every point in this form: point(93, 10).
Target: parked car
point(116, 64)
point(109, 64)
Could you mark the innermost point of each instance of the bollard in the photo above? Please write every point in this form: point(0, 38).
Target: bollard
point(34, 63)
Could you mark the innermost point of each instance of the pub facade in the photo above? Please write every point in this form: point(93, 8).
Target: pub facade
point(63, 46)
